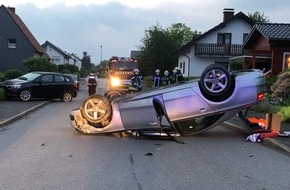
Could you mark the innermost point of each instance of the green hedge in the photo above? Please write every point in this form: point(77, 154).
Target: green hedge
point(285, 114)
point(13, 73)
point(2, 94)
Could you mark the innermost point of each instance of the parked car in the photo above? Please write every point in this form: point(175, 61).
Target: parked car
point(77, 81)
point(184, 109)
point(41, 85)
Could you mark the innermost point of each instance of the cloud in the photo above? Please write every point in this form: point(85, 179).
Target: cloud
point(119, 27)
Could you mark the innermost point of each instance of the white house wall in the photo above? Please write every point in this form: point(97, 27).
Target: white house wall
point(237, 28)
point(198, 64)
point(184, 59)
point(75, 61)
point(52, 53)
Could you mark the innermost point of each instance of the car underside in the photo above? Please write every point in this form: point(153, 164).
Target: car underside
point(181, 109)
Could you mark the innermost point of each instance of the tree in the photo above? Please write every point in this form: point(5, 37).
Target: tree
point(156, 49)
point(258, 17)
point(181, 33)
point(158, 44)
point(86, 61)
point(103, 68)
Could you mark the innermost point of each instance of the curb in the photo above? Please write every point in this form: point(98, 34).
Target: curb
point(268, 141)
point(15, 117)
point(275, 143)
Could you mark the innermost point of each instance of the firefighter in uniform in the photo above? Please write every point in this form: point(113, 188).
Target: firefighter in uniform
point(166, 79)
point(136, 81)
point(156, 79)
point(91, 82)
point(178, 77)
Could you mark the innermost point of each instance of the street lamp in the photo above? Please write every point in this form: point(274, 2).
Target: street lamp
point(101, 53)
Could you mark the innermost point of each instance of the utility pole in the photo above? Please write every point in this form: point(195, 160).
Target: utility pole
point(101, 53)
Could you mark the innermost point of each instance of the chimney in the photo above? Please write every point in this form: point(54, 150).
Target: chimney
point(11, 9)
point(228, 13)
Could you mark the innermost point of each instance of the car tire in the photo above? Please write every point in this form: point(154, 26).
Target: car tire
point(216, 83)
point(67, 97)
point(97, 110)
point(25, 95)
point(113, 94)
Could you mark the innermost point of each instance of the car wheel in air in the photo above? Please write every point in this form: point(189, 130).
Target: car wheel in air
point(97, 110)
point(112, 95)
point(25, 95)
point(216, 83)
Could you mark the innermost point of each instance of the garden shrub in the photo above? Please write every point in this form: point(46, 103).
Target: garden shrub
point(13, 73)
point(269, 83)
point(281, 88)
point(2, 77)
point(147, 82)
point(66, 71)
point(266, 106)
point(39, 64)
point(236, 66)
point(2, 94)
point(285, 114)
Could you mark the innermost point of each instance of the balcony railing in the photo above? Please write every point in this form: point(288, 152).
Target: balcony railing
point(220, 49)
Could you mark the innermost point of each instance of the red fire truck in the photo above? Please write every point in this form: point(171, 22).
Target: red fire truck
point(120, 72)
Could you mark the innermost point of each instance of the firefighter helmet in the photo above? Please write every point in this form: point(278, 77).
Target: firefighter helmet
point(136, 71)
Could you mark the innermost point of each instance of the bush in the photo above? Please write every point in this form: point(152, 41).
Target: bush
point(12, 74)
point(285, 114)
point(2, 94)
point(39, 64)
point(269, 83)
point(65, 71)
point(281, 88)
point(103, 75)
point(266, 106)
point(236, 66)
point(147, 82)
point(2, 77)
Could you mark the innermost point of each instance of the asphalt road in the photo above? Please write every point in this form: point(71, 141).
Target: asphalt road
point(42, 151)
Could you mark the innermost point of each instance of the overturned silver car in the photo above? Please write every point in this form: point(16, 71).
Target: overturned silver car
point(184, 109)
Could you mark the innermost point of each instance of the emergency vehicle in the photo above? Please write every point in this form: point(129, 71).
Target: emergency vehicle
point(120, 71)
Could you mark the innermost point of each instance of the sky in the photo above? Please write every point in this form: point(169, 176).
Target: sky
point(105, 28)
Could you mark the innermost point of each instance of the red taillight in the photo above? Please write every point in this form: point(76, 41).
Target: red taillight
point(75, 85)
point(260, 96)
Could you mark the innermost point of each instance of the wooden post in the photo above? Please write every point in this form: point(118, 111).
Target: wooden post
point(273, 122)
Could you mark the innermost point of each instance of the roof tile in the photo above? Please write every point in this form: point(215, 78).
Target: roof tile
point(274, 31)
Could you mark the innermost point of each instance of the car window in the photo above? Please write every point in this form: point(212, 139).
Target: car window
point(59, 78)
point(46, 78)
point(198, 123)
point(74, 77)
point(29, 76)
point(68, 79)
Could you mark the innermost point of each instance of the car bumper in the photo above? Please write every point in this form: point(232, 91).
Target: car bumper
point(11, 92)
point(80, 123)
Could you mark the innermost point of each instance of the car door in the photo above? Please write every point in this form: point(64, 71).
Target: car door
point(58, 87)
point(139, 114)
point(42, 86)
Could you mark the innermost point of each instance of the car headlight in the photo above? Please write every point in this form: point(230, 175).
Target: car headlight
point(115, 82)
point(15, 86)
